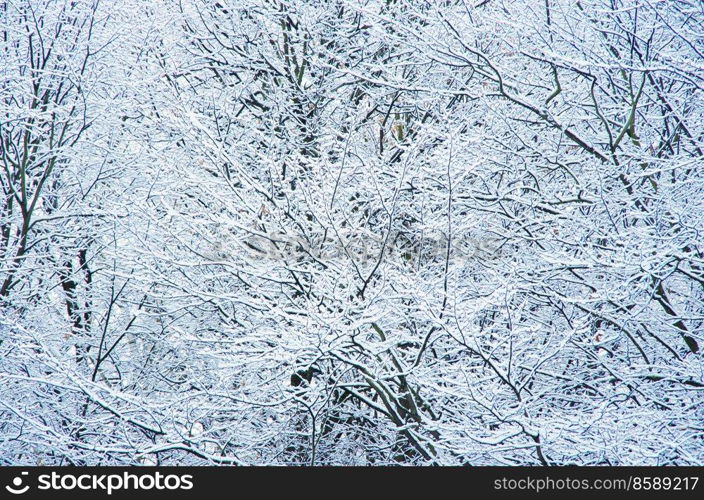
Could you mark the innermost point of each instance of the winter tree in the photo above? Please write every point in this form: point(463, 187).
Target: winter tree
point(350, 232)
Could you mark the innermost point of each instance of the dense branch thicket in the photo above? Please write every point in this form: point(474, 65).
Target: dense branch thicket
point(351, 232)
